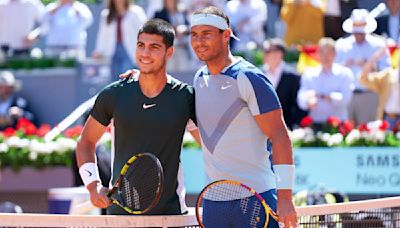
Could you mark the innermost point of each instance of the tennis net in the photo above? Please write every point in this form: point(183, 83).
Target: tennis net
point(383, 212)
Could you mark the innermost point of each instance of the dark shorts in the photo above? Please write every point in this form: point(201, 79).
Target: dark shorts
point(235, 213)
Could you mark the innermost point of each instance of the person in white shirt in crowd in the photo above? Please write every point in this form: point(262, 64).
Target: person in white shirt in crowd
point(389, 24)
point(64, 24)
point(353, 52)
point(174, 13)
point(386, 84)
point(326, 90)
point(17, 19)
point(193, 5)
point(116, 39)
point(247, 18)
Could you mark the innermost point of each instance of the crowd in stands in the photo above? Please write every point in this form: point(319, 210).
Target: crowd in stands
point(357, 77)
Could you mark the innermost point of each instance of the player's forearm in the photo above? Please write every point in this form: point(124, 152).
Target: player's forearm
point(282, 148)
point(284, 194)
point(85, 152)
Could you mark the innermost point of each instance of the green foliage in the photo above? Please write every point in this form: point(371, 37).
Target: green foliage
point(36, 63)
point(88, 2)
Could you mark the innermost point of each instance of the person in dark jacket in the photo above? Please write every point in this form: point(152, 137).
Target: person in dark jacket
point(285, 80)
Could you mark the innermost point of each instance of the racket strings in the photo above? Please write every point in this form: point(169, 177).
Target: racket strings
point(226, 192)
point(140, 184)
point(237, 202)
point(255, 218)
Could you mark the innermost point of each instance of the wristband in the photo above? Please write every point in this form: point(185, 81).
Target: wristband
point(89, 172)
point(284, 175)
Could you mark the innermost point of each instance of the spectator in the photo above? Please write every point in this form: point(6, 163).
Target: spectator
point(304, 21)
point(247, 18)
point(336, 12)
point(64, 23)
point(12, 107)
point(116, 38)
point(326, 90)
point(193, 5)
point(389, 24)
point(15, 28)
point(177, 17)
point(353, 52)
point(333, 20)
point(386, 84)
point(285, 81)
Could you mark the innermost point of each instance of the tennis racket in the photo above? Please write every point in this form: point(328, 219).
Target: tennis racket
point(138, 188)
point(222, 197)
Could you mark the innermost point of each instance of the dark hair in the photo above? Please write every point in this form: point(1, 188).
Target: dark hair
point(159, 27)
point(275, 43)
point(112, 11)
point(213, 10)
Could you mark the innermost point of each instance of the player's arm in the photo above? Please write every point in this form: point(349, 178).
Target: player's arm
point(273, 126)
point(196, 135)
point(86, 160)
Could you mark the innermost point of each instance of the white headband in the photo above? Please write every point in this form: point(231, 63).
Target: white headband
point(212, 20)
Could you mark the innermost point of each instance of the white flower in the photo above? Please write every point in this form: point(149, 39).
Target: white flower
point(65, 144)
point(373, 125)
point(3, 148)
point(17, 142)
point(39, 148)
point(324, 136)
point(33, 155)
point(335, 139)
point(398, 135)
point(378, 136)
point(309, 135)
point(297, 134)
point(187, 137)
point(353, 136)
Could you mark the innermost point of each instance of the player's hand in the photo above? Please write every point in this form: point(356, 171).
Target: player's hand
point(286, 211)
point(98, 195)
point(129, 73)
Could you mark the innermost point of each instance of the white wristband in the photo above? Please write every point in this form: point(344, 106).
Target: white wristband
point(284, 175)
point(89, 172)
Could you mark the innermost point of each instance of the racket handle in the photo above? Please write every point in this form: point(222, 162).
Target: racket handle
point(84, 208)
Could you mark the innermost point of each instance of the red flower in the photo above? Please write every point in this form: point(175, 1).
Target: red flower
point(30, 129)
point(23, 123)
point(73, 132)
point(306, 121)
point(346, 127)
point(384, 125)
point(8, 132)
point(43, 130)
point(26, 126)
point(363, 127)
point(333, 121)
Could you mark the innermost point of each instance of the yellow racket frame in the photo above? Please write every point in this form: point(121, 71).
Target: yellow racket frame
point(268, 211)
point(123, 172)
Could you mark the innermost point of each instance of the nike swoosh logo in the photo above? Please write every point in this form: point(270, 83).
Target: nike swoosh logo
point(146, 106)
point(225, 87)
point(90, 173)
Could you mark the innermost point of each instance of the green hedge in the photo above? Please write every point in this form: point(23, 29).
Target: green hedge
point(36, 63)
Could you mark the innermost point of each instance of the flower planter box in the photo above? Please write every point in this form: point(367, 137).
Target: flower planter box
point(28, 188)
point(31, 179)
